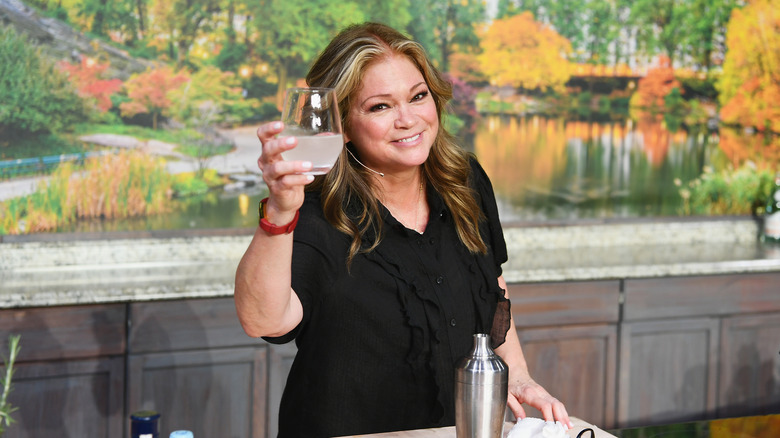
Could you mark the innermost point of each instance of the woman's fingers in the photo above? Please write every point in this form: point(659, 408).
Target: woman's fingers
point(516, 408)
point(532, 393)
point(285, 179)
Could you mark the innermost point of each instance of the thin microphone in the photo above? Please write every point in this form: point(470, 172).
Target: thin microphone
point(367, 168)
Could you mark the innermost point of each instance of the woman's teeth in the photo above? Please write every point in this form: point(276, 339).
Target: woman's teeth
point(407, 140)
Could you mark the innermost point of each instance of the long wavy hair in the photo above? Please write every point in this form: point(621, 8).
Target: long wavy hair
point(341, 66)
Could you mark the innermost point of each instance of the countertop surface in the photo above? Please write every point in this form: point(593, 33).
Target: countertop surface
point(51, 272)
point(449, 432)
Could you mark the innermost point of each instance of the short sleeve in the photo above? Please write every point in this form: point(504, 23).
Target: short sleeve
point(487, 199)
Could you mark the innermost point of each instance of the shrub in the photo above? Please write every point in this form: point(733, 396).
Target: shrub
point(739, 191)
point(35, 97)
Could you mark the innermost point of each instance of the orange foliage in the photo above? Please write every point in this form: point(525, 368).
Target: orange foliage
point(465, 67)
point(750, 84)
point(87, 77)
point(149, 92)
point(653, 88)
point(521, 52)
point(758, 148)
point(754, 104)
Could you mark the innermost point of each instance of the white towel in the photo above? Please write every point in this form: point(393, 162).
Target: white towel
point(537, 428)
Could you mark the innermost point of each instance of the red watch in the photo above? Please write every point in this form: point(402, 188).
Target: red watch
point(270, 228)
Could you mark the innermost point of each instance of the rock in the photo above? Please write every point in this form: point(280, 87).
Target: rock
point(59, 41)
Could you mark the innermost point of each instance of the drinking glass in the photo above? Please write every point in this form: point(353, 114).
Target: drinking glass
point(312, 116)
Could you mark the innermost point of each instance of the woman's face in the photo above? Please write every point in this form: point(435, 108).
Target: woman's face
point(393, 121)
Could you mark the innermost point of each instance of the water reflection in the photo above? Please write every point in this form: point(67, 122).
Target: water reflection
point(215, 209)
point(550, 168)
point(542, 168)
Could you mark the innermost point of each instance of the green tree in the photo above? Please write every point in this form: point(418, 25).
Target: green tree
point(447, 26)
point(182, 22)
point(706, 34)
point(662, 26)
point(394, 13)
point(35, 96)
point(299, 30)
point(602, 31)
point(104, 17)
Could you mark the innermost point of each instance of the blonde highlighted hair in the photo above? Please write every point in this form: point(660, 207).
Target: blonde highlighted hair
point(341, 66)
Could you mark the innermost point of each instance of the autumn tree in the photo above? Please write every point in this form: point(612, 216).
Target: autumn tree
point(149, 92)
point(653, 89)
point(521, 52)
point(211, 96)
point(750, 84)
point(88, 77)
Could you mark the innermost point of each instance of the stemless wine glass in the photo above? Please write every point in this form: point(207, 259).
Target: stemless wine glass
point(312, 116)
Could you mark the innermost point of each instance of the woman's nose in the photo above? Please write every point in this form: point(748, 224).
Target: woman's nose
point(404, 117)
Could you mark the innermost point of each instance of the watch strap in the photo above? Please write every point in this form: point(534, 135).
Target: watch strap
point(272, 229)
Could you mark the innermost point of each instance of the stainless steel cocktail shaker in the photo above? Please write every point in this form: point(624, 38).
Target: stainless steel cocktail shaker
point(481, 380)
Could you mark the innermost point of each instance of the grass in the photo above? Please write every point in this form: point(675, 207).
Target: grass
point(6, 385)
point(127, 184)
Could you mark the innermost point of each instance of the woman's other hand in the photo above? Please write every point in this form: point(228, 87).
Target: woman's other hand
point(526, 390)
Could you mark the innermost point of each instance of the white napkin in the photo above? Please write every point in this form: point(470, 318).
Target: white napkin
point(537, 428)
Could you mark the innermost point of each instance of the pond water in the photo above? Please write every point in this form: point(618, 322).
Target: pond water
point(542, 169)
point(555, 169)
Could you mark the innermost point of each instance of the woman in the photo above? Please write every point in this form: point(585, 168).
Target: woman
point(395, 260)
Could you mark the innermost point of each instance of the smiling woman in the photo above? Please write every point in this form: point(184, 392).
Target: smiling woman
point(388, 264)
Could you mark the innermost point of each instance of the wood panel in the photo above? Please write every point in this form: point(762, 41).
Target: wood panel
point(185, 325)
point(213, 393)
point(701, 296)
point(577, 365)
point(750, 365)
point(81, 398)
point(65, 332)
point(668, 371)
point(582, 302)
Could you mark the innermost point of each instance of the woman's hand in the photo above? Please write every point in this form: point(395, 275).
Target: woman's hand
point(284, 179)
point(526, 390)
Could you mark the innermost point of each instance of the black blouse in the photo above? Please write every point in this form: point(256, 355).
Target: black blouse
point(379, 339)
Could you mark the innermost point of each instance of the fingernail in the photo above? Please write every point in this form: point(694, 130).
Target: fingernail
point(306, 165)
point(309, 178)
point(278, 125)
point(289, 140)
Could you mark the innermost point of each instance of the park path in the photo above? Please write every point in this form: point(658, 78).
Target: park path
point(241, 162)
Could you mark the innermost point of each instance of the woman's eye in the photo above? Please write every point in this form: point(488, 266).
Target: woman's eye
point(420, 96)
point(378, 107)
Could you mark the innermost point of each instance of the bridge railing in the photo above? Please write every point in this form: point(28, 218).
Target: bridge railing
point(38, 165)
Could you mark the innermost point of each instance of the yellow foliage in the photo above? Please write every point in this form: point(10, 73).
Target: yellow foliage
point(750, 84)
point(520, 52)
